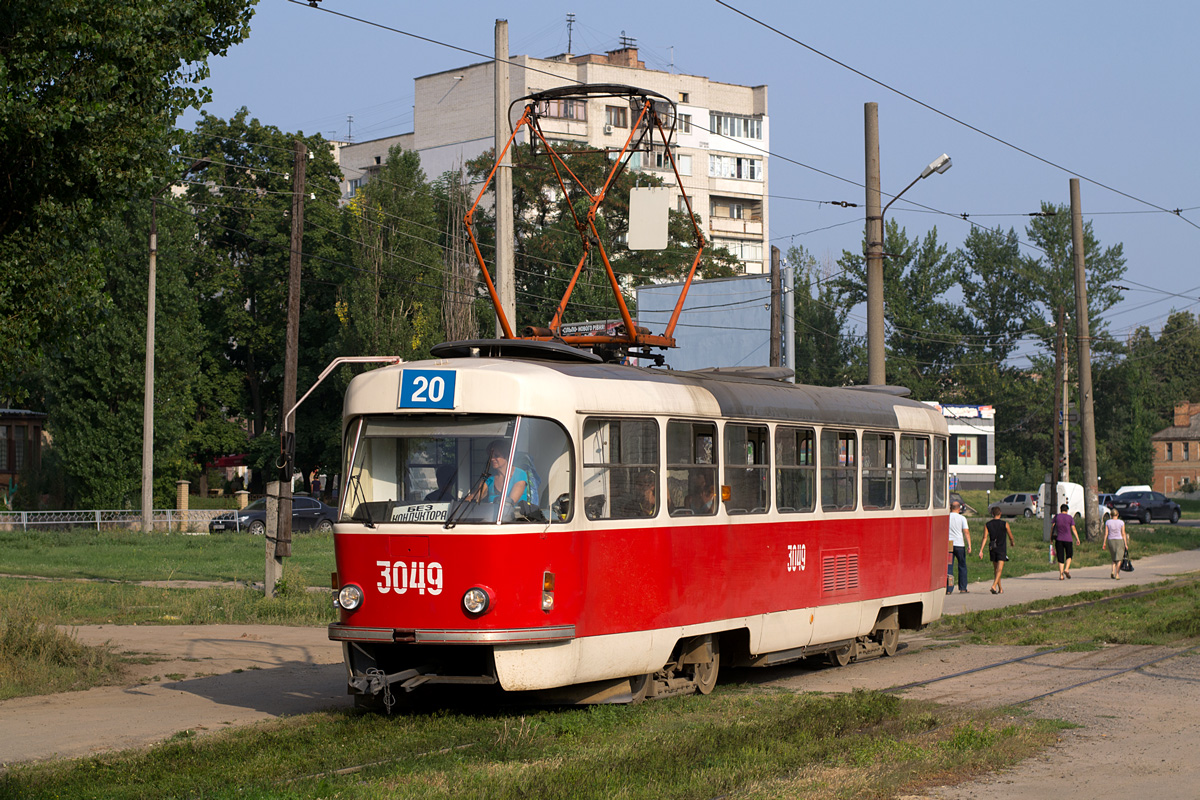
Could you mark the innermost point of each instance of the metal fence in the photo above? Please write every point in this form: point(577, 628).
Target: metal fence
point(194, 521)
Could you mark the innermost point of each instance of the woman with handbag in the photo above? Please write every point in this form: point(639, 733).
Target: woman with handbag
point(1117, 541)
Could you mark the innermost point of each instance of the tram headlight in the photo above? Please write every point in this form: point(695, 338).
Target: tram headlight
point(350, 597)
point(477, 600)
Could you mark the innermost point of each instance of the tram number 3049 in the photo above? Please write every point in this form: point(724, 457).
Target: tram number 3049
point(797, 557)
point(400, 576)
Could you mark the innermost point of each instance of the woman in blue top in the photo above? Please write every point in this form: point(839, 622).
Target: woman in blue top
point(518, 483)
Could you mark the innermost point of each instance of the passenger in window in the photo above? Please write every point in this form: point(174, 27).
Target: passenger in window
point(445, 485)
point(644, 501)
point(703, 497)
point(489, 490)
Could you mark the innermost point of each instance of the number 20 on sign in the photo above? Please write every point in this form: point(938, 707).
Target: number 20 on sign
point(427, 388)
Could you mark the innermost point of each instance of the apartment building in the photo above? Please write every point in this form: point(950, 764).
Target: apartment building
point(721, 141)
point(1177, 451)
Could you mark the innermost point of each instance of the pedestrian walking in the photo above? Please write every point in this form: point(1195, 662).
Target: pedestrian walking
point(1064, 549)
point(1117, 541)
point(997, 536)
point(959, 544)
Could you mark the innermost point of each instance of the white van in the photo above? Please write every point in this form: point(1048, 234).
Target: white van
point(1141, 487)
point(1069, 493)
point(1072, 495)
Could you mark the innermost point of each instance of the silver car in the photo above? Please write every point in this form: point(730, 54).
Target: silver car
point(1017, 505)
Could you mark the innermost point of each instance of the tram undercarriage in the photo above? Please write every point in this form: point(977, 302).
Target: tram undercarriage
point(384, 677)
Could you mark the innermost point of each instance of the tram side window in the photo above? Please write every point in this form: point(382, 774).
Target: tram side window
point(939, 472)
point(839, 470)
point(692, 468)
point(620, 468)
point(747, 469)
point(879, 470)
point(914, 471)
point(795, 469)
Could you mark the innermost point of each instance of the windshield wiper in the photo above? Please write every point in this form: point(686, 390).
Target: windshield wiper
point(466, 503)
point(360, 495)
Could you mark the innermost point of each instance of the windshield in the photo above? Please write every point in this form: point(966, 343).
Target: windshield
point(446, 470)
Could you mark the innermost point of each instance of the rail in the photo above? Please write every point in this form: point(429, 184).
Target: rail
point(193, 521)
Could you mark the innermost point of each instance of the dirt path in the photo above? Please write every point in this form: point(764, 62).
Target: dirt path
point(1137, 732)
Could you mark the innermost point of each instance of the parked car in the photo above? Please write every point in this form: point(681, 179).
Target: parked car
point(1020, 504)
point(307, 514)
point(1146, 506)
point(1106, 500)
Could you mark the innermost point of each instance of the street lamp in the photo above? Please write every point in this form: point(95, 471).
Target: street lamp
point(876, 374)
point(148, 404)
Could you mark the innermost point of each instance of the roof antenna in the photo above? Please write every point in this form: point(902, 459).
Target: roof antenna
point(570, 26)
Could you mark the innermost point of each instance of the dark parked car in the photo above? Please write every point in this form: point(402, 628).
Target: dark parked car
point(307, 514)
point(1146, 506)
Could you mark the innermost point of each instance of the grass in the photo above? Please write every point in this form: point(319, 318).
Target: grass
point(38, 658)
point(734, 743)
point(135, 556)
point(1161, 614)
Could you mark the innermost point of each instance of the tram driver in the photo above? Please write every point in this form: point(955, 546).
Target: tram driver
point(489, 490)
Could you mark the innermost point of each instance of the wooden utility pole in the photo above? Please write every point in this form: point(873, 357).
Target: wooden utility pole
point(876, 369)
point(283, 544)
point(506, 276)
point(1086, 414)
point(776, 310)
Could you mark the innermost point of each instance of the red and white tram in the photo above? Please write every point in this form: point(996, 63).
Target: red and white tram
point(520, 514)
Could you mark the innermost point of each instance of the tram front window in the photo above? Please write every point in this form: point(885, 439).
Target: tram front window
point(429, 469)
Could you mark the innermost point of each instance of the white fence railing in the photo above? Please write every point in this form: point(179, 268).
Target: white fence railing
point(169, 520)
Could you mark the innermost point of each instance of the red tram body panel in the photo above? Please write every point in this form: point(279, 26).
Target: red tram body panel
point(539, 525)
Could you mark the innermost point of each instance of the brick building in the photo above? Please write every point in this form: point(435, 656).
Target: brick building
point(1177, 451)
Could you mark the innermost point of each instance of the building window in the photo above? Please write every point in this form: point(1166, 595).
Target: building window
point(735, 126)
point(685, 123)
point(617, 116)
point(743, 250)
point(1170, 452)
point(683, 97)
point(684, 163)
point(562, 108)
point(1187, 456)
point(734, 167)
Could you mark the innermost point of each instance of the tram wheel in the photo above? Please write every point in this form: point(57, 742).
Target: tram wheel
point(639, 687)
point(889, 639)
point(705, 675)
point(841, 656)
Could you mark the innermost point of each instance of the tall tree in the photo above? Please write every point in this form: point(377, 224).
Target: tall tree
point(824, 353)
point(243, 209)
point(925, 334)
point(89, 93)
point(392, 303)
point(94, 383)
point(1052, 273)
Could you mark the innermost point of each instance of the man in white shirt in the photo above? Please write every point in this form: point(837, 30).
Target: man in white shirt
point(959, 546)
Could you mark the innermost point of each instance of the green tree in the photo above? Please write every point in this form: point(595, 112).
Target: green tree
point(1052, 274)
point(824, 353)
point(925, 334)
point(243, 210)
point(94, 382)
point(89, 93)
point(391, 304)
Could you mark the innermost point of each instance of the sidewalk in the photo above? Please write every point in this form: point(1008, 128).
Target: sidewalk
point(1039, 585)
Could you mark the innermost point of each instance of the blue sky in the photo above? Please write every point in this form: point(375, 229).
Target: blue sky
point(1105, 89)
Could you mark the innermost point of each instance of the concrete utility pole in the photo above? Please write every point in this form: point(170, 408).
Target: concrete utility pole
point(506, 275)
point(788, 275)
point(876, 369)
point(776, 310)
point(1065, 407)
point(1086, 413)
point(281, 547)
point(1052, 478)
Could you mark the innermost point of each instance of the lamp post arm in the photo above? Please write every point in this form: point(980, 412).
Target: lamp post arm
point(897, 197)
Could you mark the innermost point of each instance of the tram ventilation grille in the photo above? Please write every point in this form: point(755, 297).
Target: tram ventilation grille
point(839, 573)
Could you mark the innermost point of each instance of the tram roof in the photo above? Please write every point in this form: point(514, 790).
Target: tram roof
point(563, 389)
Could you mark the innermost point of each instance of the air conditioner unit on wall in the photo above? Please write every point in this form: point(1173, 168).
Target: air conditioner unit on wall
point(608, 128)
